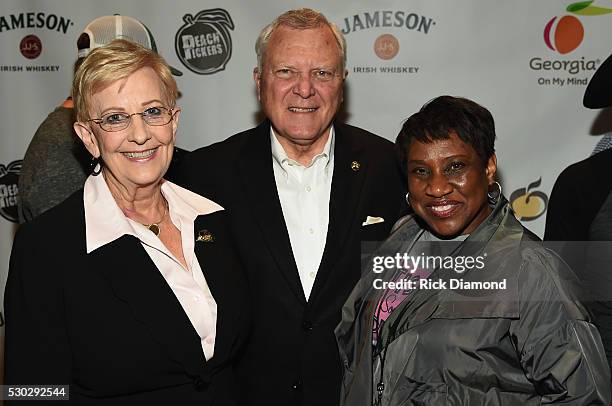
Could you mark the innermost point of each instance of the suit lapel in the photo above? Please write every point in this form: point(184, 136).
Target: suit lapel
point(218, 264)
point(350, 168)
point(262, 196)
point(139, 284)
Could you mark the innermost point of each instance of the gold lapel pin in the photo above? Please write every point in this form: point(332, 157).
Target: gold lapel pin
point(205, 236)
point(355, 166)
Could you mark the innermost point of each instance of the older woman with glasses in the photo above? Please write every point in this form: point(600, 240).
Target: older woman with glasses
point(129, 291)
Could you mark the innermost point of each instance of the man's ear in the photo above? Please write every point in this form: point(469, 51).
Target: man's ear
point(86, 135)
point(257, 79)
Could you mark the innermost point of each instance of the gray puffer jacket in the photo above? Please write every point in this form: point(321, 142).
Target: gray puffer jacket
point(531, 343)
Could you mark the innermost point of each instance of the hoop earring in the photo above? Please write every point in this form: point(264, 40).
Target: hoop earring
point(494, 196)
point(408, 199)
point(95, 165)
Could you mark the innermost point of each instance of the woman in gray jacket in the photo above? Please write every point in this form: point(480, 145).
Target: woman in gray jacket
point(461, 305)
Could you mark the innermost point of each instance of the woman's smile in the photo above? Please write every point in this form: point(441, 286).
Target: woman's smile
point(444, 208)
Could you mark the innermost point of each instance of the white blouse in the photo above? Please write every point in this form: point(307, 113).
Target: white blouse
point(105, 222)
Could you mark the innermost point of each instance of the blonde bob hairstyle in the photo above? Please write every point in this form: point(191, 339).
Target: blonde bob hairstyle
point(300, 19)
point(115, 61)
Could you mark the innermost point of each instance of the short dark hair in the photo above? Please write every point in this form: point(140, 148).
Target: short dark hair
point(446, 115)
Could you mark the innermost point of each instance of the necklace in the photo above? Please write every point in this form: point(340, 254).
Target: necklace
point(154, 227)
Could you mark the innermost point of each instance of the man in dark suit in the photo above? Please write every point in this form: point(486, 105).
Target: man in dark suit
point(302, 191)
point(580, 210)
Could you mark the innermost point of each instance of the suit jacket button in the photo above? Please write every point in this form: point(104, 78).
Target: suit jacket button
point(307, 326)
point(199, 384)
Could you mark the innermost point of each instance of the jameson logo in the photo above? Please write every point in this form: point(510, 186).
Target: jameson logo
point(30, 46)
point(9, 176)
point(387, 18)
point(203, 43)
point(35, 20)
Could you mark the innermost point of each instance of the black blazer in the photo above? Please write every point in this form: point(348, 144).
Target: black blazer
point(291, 356)
point(108, 324)
point(577, 196)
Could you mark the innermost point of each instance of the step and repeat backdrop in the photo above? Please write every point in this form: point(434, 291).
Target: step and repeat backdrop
point(527, 61)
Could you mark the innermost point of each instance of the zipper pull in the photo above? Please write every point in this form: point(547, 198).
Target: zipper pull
point(380, 388)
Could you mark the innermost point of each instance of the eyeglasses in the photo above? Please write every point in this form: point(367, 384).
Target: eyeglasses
point(154, 116)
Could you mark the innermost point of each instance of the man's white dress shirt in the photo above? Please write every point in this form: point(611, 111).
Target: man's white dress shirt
point(304, 193)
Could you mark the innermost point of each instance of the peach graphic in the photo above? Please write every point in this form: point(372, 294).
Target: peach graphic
point(568, 34)
point(529, 204)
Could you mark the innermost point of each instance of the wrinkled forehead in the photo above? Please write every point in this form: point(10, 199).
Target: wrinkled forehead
point(317, 43)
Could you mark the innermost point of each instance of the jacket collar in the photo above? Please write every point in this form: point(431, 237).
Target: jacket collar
point(500, 227)
point(351, 166)
point(495, 240)
point(217, 261)
point(105, 222)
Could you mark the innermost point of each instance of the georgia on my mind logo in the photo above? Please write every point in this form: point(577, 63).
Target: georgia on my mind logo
point(203, 44)
point(565, 34)
point(562, 35)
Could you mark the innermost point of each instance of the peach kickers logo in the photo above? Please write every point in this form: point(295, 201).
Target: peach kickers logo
point(565, 34)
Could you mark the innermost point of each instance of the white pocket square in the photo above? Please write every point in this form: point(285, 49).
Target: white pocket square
point(372, 220)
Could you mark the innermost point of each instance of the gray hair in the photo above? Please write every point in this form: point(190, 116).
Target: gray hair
point(301, 19)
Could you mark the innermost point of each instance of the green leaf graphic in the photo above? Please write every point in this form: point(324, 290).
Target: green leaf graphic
point(574, 7)
point(584, 8)
point(594, 11)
